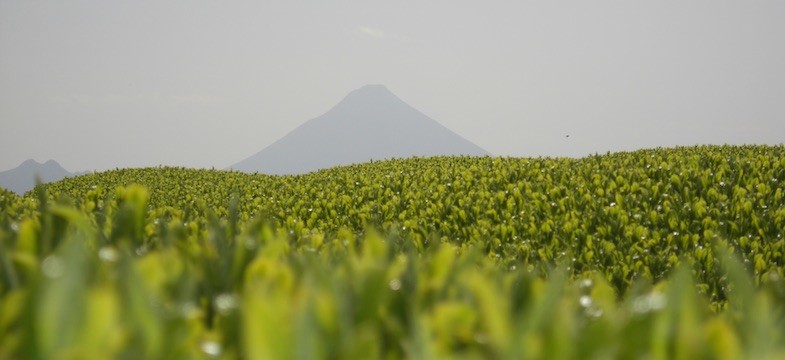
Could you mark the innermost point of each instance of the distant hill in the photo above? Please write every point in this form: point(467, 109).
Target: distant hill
point(370, 123)
point(22, 178)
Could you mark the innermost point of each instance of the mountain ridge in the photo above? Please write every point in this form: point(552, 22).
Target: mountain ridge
point(23, 177)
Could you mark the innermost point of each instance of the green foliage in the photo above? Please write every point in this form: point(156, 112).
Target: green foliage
point(662, 253)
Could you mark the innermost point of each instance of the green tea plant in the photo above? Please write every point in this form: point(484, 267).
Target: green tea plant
point(661, 253)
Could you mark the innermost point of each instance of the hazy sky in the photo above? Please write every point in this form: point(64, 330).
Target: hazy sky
point(105, 84)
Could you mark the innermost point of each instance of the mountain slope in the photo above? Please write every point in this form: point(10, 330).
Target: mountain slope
point(22, 178)
point(371, 123)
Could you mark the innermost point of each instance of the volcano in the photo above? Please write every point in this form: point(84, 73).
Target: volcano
point(370, 123)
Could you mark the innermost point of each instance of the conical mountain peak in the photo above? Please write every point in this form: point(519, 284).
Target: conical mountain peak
point(377, 91)
point(369, 88)
point(370, 123)
point(370, 95)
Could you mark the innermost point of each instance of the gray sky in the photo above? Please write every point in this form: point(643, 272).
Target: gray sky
point(105, 84)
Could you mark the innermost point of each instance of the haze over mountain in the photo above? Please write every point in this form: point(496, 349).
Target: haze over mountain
point(370, 123)
point(23, 177)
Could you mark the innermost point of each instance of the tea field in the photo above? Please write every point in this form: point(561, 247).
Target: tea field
point(668, 253)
